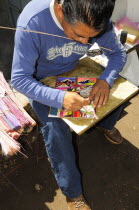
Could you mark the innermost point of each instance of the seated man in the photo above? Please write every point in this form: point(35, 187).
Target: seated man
point(69, 25)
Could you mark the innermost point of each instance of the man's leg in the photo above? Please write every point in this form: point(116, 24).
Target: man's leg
point(108, 123)
point(58, 141)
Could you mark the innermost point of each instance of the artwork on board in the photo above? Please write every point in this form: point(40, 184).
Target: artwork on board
point(83, 86)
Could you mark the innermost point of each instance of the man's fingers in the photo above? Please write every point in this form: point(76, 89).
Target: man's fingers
point(100, 93)
point(96, 100)
point(100, 100)
point(86, 101)
point(73, 101)
point(106, 98)
point(92, 96)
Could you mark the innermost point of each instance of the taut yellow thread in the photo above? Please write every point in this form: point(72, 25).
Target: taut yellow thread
point(39, 32)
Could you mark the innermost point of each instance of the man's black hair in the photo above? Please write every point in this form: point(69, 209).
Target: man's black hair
point(94, 13)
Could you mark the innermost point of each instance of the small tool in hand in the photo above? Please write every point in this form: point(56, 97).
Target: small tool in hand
point(94, 52)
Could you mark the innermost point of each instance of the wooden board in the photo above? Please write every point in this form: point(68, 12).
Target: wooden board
point(121, 92)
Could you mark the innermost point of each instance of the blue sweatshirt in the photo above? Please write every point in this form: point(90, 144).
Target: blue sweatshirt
point(37, 56)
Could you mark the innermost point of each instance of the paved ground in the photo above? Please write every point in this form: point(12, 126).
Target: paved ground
point(110, 172)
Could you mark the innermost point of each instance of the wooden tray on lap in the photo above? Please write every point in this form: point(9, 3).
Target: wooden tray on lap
point(121, 91)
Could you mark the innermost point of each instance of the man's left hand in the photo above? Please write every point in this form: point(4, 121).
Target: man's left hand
point(100, 93)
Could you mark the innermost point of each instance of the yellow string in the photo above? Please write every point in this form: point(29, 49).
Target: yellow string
point(7, 110)
point(38, 32)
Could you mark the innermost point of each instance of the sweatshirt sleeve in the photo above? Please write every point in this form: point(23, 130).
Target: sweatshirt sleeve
point(116, 57)
point(26, 53)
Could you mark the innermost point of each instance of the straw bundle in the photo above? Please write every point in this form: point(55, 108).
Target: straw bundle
point(14, 120)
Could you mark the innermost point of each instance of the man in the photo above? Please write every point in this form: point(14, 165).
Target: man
point(72, 24)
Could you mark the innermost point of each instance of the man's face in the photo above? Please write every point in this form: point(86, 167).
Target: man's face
point(80, 32)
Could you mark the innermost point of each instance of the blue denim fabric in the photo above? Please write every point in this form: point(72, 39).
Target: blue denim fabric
point(58, 142)
point(110, 120)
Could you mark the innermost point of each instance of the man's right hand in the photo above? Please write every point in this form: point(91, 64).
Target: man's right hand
point(73, 101)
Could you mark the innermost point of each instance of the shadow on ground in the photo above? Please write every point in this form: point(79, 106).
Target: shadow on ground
point(19, 191)
point(110, 176)
point(110, 173)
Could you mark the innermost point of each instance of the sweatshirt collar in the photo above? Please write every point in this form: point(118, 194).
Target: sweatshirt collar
point(53, 15)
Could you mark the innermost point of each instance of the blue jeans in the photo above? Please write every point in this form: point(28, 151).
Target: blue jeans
point(58, 142)
point(110, 120)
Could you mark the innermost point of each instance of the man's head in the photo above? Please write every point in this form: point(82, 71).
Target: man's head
point(92, 14)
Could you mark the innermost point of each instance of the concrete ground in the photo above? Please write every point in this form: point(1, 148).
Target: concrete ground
point(110, 172)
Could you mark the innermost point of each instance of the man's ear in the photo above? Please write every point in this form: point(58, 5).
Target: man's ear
point(59, 11)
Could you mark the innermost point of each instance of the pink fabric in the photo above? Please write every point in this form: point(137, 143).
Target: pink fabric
point(126, 21)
